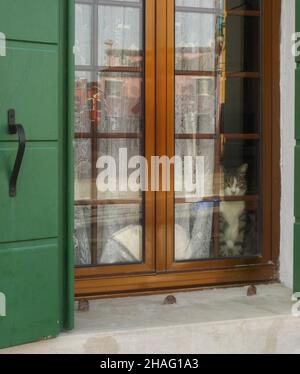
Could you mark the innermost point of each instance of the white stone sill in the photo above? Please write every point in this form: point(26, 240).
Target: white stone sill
point(213, 321)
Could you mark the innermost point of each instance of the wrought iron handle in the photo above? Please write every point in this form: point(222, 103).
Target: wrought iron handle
point(14, 128)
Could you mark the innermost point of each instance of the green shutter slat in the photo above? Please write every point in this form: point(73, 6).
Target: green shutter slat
point(30, 20)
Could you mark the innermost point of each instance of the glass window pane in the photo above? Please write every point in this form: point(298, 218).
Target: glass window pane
point(113, 148)
point(240, 163)
point(82, 235)
point(238, 234)
point(195, 41)
point(195, 105)
point(109, 116)
point(243, 44)
point(120, 234)
point(205, 4)
point(83, 165)
point(83, 34)
point(121, 106)
point(218, 116)
point(242, 107)
point(243, 5)
point(194, 231)
point(83, 102)
point(195, 148)
point(120, 35)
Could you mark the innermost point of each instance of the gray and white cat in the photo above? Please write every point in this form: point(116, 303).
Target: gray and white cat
point(233, 217)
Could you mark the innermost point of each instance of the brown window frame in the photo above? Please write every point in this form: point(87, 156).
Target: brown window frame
point(160, 272)
point(149, 147)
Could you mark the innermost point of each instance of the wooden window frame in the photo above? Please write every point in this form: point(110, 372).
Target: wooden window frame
point(160, 273)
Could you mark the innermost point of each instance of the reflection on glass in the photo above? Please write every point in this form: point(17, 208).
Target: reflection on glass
point(83, 102)
point(121, 106)
point(83, 18)
point(195, 41)
point(83, 167)
point(120, 36)
point(195, 105)
point(108, 117)
point(82, 235)
point(208, 4)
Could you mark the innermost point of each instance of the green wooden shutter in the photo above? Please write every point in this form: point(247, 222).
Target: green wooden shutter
point(36, 266)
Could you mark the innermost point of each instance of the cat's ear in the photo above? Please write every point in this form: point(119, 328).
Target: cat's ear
point(243, 169)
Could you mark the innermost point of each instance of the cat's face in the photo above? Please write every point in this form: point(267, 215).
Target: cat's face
point(235, 182)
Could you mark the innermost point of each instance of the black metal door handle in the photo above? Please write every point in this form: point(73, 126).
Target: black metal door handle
point(14, 128)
